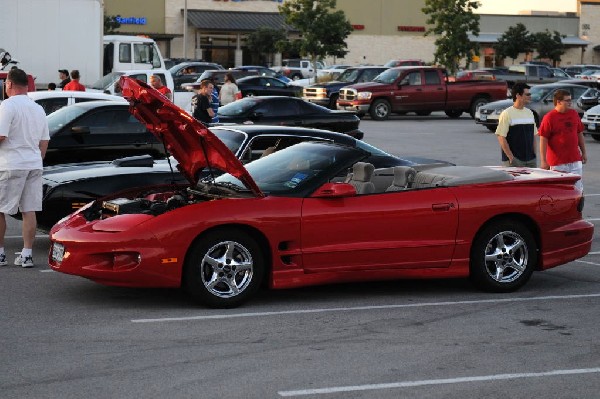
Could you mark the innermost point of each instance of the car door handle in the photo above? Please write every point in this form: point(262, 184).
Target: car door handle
point(442, 207)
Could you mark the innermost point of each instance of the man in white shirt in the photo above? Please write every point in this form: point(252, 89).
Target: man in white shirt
point(24, 140)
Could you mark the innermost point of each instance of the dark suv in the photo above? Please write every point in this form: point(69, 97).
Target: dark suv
point(188, 72)
point(326, 94)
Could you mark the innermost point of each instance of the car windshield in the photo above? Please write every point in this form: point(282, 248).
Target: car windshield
point(107, 80)
point(63, 116)
point(292, 169)
point(348, 76)
point(388, 77)
point(538, 93)
point(237, 108)
point(231, 138)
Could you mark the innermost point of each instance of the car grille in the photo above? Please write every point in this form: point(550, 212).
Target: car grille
point(347, 94)
point(593, 118)
point(484, 111)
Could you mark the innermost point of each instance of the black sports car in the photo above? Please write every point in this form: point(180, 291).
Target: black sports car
point(98, 131)
point(188, 72)
point(267, 86)
point(68, 187)
point(289, 111)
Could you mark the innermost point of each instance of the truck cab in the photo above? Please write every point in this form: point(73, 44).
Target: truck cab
point(122, 52)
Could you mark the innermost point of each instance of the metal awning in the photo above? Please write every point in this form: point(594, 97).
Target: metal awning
point(236, 21)
point(493, 38)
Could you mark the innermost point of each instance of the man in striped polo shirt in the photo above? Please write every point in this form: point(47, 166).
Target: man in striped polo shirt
point(516, 130)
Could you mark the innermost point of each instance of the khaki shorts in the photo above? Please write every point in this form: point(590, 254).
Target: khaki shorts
point(20, 190)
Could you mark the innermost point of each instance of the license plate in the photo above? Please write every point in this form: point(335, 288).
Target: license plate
point(483, 118)
point(592, 126)
point(58, 251)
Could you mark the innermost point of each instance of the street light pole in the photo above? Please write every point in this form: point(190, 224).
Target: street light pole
point(185, 20)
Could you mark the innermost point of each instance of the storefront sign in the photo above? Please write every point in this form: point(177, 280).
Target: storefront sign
point(411, 28)
point(131, 20)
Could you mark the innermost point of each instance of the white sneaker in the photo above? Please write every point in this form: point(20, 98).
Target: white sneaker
point(3, 261)
point(24, 262)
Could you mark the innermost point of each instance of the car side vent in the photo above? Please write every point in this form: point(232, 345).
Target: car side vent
point(139, 160)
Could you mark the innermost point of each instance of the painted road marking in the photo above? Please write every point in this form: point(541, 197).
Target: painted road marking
point(361, 308)
point(459, 380)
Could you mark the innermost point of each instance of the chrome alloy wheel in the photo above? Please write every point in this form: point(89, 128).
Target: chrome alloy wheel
point(227, 269)
point(506, 257)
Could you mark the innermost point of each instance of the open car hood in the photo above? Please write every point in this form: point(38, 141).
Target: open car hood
point(188, 140)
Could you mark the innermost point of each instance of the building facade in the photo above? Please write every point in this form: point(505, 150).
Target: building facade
point(215, 30)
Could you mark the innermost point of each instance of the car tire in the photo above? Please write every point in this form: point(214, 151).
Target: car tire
point(296, 77)
point(453, 114)
point(249, 94)
point(491, 128)
point(503, 256)
point(380, 110)
point(224, 268)
point(477, 102)
point(333, 101)
point(596, 137)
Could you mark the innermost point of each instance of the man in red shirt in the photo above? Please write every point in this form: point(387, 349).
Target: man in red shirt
point(156, 82)
point(562, 146)
point(74, 84)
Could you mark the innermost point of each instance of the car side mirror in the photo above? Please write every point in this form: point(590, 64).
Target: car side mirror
point(335, 190)
point(256, 116)
point(80, 130)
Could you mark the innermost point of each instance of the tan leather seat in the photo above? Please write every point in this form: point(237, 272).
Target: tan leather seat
point(404, 176)
point(361, 178)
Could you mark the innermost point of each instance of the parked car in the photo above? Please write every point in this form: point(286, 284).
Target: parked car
point(54, 100)
point(574, 70)
point(326, 94)
point(98, 131)
point(298, 217)
point(479, 74)
point(218, 76)
point(289, 111)
point(262, 71)
point(419, 89)
point(541, 103)
point(188, 72)
point(591, 121)
point(266, 86)
point(528, 73)
point(397, 63)
point(67, 187)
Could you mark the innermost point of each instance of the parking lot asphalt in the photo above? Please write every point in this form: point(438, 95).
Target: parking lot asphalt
point(66, 337)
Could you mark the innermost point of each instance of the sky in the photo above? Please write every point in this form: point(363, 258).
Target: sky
point(514, 6)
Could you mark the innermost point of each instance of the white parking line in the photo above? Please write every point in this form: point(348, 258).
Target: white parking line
point(407, 384)
point(361, 308)
point(592, 219)
point(588, 263)
point(37, 236)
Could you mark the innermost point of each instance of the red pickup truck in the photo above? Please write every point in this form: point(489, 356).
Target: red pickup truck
point(419, 89)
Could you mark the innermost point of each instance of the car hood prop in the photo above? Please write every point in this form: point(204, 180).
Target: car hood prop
point(188, 140)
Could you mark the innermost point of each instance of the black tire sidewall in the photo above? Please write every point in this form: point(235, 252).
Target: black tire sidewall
point(373, 110)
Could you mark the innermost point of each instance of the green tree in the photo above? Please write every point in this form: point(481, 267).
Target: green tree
point(516, 40)
point(323, 32)
point(111, 24)
point(549, 45)
point(452, 21)
point(262, 43)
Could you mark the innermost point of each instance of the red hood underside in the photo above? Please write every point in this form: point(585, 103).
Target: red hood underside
point(189, 141)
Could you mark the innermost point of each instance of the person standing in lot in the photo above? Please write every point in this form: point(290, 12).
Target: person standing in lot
point(517, 129)
point(63, 75)
point(23, 142)
point(562, 146)
point(229, 90)
point(201, 103)
point(74, 84)
point(214, 103)
point(156, 82)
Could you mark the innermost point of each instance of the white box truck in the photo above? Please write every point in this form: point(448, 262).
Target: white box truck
point(48, 35)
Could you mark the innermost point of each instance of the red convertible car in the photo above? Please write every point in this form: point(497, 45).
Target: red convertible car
point(315, 213)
